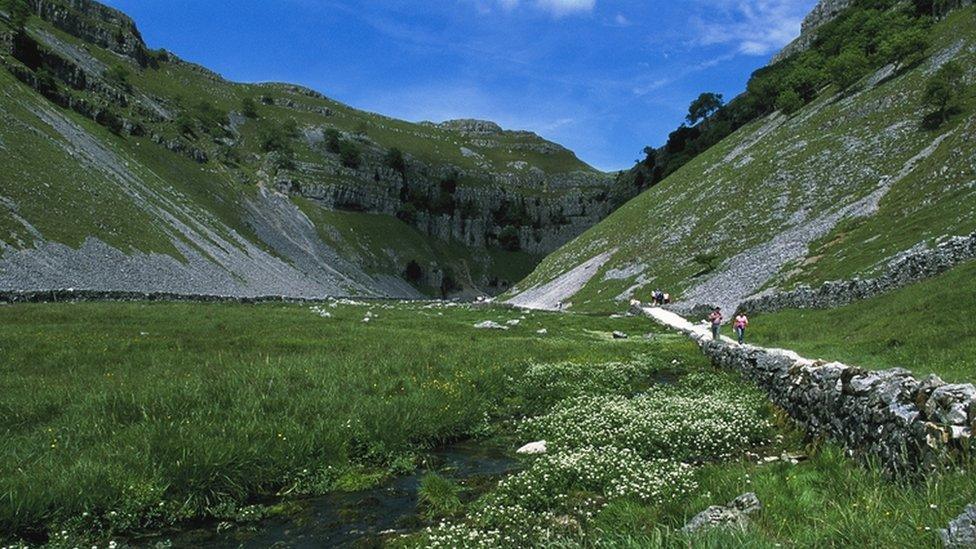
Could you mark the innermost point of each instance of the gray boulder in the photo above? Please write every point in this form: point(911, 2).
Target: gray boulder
point(962, 530)
point(734, 515)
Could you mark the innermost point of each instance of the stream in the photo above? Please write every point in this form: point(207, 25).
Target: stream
point(351, 519)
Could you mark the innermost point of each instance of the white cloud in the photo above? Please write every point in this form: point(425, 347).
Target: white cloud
point(757, 27)
point(557, 8)
point(621, 20)
point(560, 8)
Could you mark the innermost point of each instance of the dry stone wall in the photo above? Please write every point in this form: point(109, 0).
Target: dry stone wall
point(909, 268)
point(910, 425)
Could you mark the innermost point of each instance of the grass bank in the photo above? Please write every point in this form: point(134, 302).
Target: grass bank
point(927, 327)
point(116, 417)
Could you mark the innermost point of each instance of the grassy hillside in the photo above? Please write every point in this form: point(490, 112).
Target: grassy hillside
point(832, 190)
point(108, 141)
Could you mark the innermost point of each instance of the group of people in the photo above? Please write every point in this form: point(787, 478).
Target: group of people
point(660, 298)
point(739, 324)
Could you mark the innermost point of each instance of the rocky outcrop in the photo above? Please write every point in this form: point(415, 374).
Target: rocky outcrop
point(472, 214)
point(961, 532)
point(734, 515)
point(908, 268)
point(908, 424)
point(96, 23)
point(824, 12)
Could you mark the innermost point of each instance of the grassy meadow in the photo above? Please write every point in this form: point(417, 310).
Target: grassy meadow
point(124, 418)
point(140, 414)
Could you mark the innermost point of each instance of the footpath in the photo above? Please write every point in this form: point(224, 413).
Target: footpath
point(911, 425)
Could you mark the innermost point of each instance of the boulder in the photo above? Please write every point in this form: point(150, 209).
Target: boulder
point(735, 515)
point(533, 448)
point(961, 531)
point(619, 335)
point(490, 325)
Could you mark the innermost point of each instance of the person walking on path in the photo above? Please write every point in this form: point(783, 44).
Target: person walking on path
point(739, 326)
point(716, 319)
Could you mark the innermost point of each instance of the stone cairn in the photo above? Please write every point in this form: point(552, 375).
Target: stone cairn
point(913, 267)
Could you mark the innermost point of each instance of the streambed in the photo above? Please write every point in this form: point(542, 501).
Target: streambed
point(358, 519)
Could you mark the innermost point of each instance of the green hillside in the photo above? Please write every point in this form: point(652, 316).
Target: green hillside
point(833, 190)
point(112, 149)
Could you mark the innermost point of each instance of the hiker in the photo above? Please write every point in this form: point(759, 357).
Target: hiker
point(666, 298)
point(656, 298)
point(716, 319)
point(739, 326)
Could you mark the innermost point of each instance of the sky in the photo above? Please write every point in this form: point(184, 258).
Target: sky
point(604, 78)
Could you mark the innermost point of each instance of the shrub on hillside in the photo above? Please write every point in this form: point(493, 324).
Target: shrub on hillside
point(789, 102)
point(118, 75)
point(847, 68)
point(414, 272)
point(943, 91)
point(349, 154)
point(395, 160)
point(249, 107)
point(332, 140)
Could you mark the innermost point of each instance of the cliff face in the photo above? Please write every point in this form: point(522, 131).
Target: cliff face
point(295, 178)
point(824, 12)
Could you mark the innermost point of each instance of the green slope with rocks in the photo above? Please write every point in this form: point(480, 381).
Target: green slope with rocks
point(128, 168)
point(839, 188)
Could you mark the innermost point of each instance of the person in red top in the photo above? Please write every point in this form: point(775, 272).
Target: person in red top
point(716, 319)
point(739, 326)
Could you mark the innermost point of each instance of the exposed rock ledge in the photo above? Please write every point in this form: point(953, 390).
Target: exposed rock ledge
point(913, 267)
point(910, 425)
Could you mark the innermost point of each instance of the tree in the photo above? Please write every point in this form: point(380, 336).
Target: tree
point(349, 154)
point(906, 47)
point(703, 107)
point(249, 107)
point(848, 67)
point(789, 102)
point(396, 162)
point(332, 140)
point(942, 91)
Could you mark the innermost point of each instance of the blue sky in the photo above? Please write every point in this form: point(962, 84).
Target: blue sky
point(602, 77)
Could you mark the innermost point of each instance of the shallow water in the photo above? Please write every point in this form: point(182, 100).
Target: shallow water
point(356, 519)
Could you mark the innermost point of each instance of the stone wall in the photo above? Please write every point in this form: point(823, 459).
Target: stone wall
point(907, 424)
point(909, 268)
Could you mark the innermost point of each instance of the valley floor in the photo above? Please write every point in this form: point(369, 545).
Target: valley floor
point(122, 418)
